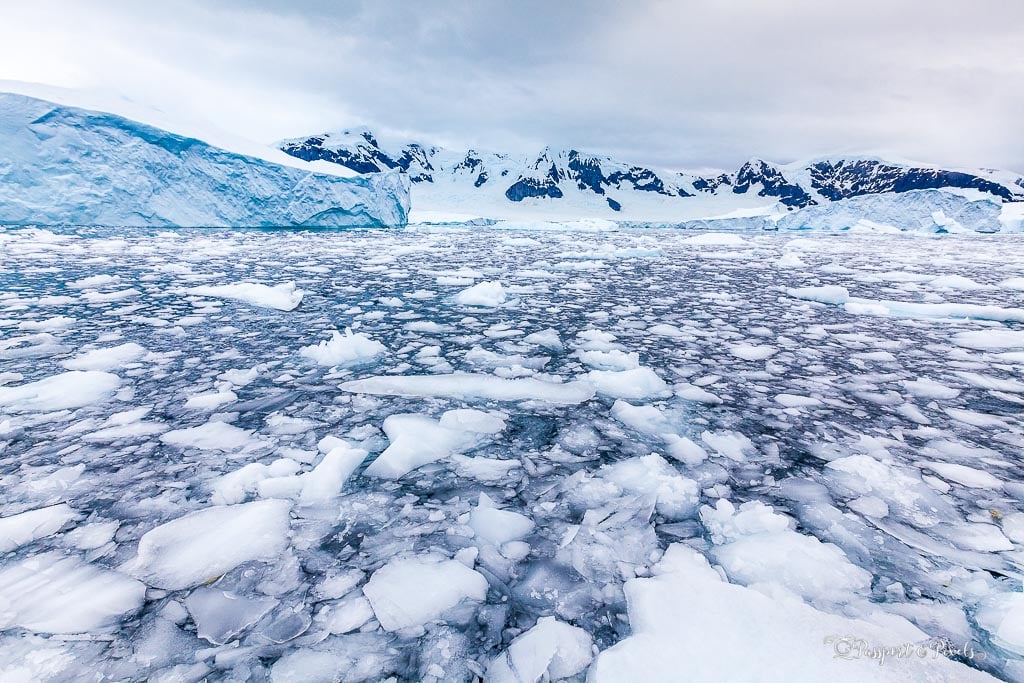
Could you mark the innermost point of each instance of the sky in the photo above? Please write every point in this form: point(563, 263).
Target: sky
point(680, 85)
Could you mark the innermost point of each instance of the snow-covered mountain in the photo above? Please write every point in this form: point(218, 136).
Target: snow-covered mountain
point(62, 165)
point(569, 182)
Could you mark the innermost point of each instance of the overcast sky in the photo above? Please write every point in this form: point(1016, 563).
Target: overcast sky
point(681, 84)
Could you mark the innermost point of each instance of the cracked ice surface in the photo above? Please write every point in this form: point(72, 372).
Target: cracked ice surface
point(597, 448)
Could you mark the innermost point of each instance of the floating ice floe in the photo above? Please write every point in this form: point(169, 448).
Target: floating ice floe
point(992, 339)
point(347, 349)
point(484, 294)
point(25, 527)
point(721, 631)
point(496, 526)
point(755, 545)
point(550, 650)
point(716, 239)
point(283, 297)
point(53, 593)
point(205, 544)
point(109, 358)
point(221, 616)
point(471, 386)
point(638, 383)
point(212, 436)
point(413, 591)
point(581, 225)
point(74, 389)
point(826, 294)
point(417, 440)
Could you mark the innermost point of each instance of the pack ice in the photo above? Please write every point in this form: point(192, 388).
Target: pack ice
point(456, 453)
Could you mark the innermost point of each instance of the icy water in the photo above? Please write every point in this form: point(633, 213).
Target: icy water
point(823, 431)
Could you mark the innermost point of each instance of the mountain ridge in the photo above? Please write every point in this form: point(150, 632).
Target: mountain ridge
point(615, 188)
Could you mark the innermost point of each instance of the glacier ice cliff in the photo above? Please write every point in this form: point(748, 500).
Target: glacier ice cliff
point(63, 165)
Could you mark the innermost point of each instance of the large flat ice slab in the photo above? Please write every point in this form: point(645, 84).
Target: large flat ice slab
point(204, 544)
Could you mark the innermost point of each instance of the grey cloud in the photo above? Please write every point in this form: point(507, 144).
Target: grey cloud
point(679, 84)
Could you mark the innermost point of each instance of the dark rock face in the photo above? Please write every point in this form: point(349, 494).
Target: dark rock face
point(414, 154)
point(711, 184)
point(645, 180)
point(586, 171)
point(773, 184)
point(364, 159)
point(589, 175)
point(545, 186)
point(845, 179)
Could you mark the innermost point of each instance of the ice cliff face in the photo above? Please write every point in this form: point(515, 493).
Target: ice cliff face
point(585, 184)
point(62, 165)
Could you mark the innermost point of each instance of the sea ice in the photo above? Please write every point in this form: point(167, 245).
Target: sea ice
point(347, 349)
point(412, 591)
point(283, 297)
point(417, 440)
point(551, 650)
point(20, 529)
point(485, 294)
point(720, 631)
point(74, 389)
point(53, 593)
point(109, 358)
point(212, 436)
point(474, 386)
point(205, 544)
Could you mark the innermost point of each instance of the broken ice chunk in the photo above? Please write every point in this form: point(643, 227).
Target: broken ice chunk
point(221, 616)
point(638, 383)
point(551, 650)
point(212, 436)
point(413, 591)
point(109, 358)
point(497, 526)
point(348, 349)
point(417, 440)
point(756, 545)
point(52, 593)
point(651, 475)
point(485, 294)
point(17, 530)
point(722, 632)
point(474, 387)
point(205, 544)
point(283, 297)
point(68, 390)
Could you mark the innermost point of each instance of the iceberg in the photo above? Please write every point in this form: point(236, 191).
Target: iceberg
point(68, 166)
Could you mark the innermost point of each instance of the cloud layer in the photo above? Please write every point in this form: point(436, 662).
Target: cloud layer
point(677, 84)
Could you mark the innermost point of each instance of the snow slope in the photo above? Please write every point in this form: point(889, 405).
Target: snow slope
point(64, 165)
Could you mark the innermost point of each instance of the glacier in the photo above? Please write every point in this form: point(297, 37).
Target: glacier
point(62, 165)
point(659, 455)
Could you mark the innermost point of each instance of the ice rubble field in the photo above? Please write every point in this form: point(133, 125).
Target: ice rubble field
point(440, 454)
